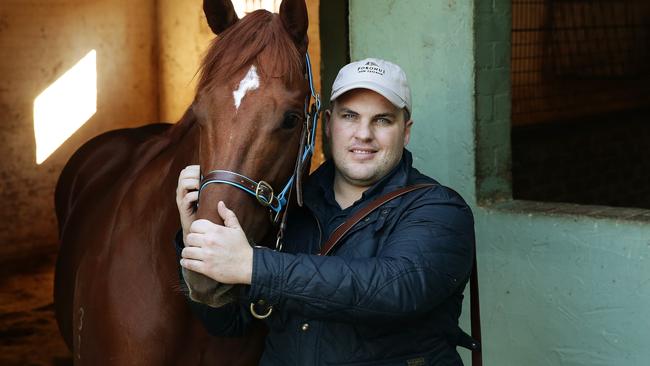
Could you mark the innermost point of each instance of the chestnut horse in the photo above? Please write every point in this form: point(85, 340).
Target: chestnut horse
point(117, 293)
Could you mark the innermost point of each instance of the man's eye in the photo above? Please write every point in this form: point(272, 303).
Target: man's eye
point(384, 121)
point(291, 120)
point(348, 116)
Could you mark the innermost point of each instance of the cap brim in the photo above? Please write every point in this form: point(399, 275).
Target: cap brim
point(386, 93)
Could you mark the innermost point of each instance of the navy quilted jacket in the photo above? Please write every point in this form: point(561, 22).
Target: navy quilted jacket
point(390, 294)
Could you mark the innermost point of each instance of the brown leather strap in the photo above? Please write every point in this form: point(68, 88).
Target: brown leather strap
point(261, 188)
point(475, 311)
point(343, 229)
point(475, 315)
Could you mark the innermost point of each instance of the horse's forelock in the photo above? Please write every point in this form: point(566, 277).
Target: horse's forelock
point(259, 37)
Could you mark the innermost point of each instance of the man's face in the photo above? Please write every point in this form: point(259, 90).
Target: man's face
point(367, 134)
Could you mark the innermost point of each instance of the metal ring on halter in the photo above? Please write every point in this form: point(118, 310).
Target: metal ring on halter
point(261, 199)
point(258, 316)
point(279, 243)
point(275, 215)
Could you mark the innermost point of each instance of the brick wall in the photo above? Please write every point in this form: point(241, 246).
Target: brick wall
point(492, 20)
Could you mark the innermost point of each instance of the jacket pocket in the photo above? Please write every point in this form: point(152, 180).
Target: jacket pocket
point(372, 224)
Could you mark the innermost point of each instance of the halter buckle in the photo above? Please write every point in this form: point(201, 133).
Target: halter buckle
point(261, 189)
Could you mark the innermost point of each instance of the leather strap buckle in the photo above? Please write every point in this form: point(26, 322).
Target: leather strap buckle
point(261, 190)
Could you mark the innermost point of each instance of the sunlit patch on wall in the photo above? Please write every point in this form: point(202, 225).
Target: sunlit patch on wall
point(65, 106)
point(242, 7)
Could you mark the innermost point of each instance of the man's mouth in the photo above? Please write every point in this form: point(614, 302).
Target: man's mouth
point(361, 152)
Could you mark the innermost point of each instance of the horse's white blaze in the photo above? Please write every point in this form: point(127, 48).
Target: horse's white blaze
point(250, 82)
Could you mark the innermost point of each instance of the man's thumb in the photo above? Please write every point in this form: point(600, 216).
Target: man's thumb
point(229, 217)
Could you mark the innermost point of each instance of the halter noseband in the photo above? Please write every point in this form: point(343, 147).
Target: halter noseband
point(262, 190)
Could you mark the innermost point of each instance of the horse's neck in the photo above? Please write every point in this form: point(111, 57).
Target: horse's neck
point(183, 149)
point(161, 159)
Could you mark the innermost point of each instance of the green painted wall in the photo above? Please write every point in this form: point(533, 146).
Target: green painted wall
point(560, 284)
point(432, 41)
point(563, 289)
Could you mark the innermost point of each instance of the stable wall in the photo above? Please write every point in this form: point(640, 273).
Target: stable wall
point(39, 42)
point(560, 284)
point(183, 36)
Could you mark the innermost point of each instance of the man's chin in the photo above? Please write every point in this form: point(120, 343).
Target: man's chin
point(361, 180)
point(359, 174)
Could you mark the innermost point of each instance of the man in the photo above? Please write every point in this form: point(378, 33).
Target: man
point(391, 293)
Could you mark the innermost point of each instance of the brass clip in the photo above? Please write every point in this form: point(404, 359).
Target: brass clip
point(261, 185)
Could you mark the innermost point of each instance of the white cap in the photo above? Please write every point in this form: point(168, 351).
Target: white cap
point(380, 76)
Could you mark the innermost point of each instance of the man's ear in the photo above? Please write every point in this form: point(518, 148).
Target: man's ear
point(326, 120)
point(407, 131)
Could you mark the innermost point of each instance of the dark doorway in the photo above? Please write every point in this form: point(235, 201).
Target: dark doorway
point(581, 101)
point(335, 49)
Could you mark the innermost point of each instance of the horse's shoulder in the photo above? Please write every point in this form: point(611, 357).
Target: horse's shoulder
point(100, 161)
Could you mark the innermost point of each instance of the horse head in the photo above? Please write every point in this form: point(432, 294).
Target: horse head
point(250, 107)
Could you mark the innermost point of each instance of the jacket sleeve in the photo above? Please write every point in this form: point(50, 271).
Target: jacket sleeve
point(426, 259)
point(229, 320)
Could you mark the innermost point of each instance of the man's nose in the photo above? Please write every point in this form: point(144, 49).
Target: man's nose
point(363, 131)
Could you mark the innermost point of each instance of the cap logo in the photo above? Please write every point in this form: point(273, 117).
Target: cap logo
point(371, 67)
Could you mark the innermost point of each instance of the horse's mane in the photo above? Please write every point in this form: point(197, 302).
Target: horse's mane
point(260, 36)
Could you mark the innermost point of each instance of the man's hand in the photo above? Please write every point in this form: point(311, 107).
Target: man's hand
point(186, 195)
point(219, 252)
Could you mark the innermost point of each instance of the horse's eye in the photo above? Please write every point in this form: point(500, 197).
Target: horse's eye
point(291, 120)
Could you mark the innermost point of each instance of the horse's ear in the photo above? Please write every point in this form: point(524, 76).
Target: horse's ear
point(220, 14)
point(295, 20)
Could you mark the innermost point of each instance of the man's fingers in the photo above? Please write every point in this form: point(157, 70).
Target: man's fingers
point(193, 265)
point(190, 171)
point(190, 198)
point(189, 184)
point(200, 240)
point(229, 217)
point(194, 240)
point(193, 253)
point(203, 226)
point(188, 179)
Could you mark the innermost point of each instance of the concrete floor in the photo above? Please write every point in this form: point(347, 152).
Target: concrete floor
point(29, 335)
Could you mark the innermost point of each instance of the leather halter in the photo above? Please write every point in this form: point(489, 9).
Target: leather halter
point(262, 190)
